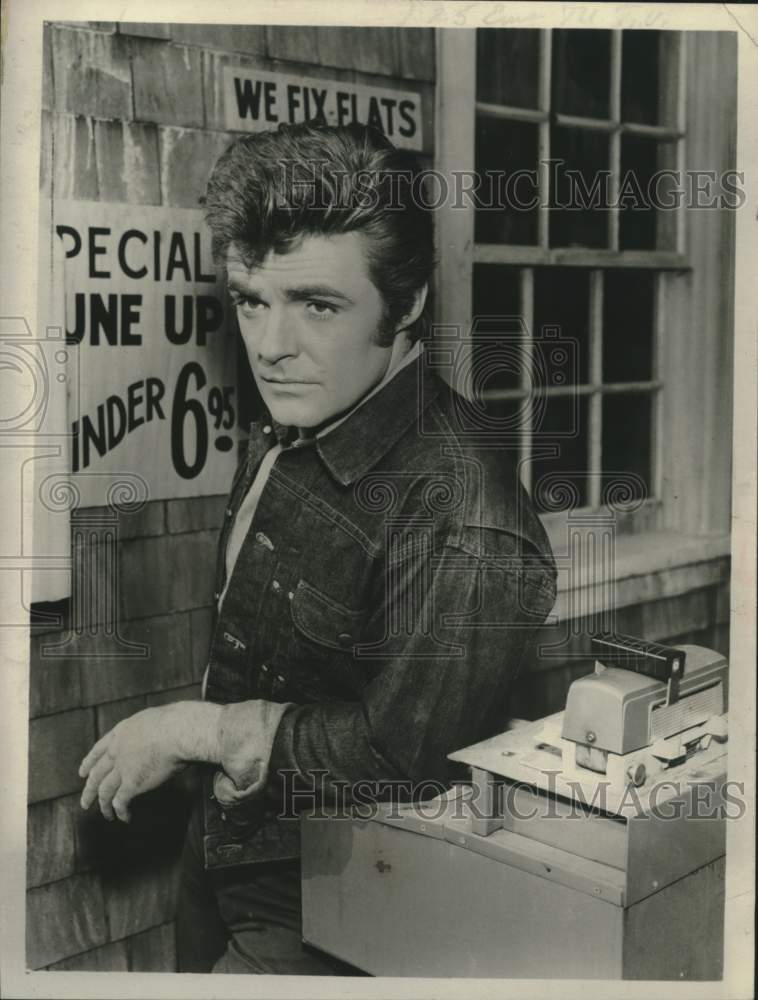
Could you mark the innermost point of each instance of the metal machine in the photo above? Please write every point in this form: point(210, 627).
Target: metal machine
point(589, 844)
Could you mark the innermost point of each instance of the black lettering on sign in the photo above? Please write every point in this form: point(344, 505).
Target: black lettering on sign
point(270, 92)
point(80, 306)
point(103, 318)
point(319, 100)
point(134, 401)
point(75, 446)
point(113, 420)
point(374, 115)
point(92, 436)
point(116, 421)
point(209, 315)
point(74, 234)
point(182, 408)
point(173, 335)
point(130, 272)
point(155, 392)
point(248, 97)
point(106, 434)
point(117, 315)
point(293, 101)
point(343, 109)
point(130, 306)
point(199, 276)
point(389, 104)
point(96, 251)
point(408, 129)
point(177, 258)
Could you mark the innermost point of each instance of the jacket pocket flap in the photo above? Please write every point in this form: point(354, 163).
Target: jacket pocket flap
point(324, 620)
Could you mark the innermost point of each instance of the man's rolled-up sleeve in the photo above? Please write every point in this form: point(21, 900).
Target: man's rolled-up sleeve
point(441, 649)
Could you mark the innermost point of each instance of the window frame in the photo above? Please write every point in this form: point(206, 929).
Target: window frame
point(542, 253)
point(693, 316)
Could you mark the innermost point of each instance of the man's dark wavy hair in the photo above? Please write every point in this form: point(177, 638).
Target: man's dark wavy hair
point(270, 189)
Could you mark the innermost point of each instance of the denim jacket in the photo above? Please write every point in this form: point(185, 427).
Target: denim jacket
point(389, 584)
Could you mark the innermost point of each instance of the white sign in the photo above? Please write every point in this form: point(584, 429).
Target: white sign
point(156, 364)
point(255, 100)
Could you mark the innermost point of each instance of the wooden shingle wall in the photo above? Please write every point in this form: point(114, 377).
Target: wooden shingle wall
point(131, 114)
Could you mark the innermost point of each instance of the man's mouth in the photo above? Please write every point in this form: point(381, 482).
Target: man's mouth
point(288, 381)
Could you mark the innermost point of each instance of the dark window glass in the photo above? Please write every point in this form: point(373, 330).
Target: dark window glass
point(507, 66)
point(250, 402)
point(582, 73)
point(501, 421)
point(626, 441)
point(579, 188)
point(497, 329)
point(642, 224)
point(628, 298)
point(507, 147)
point(560, 482)
point(561, 323)
point(640, 76)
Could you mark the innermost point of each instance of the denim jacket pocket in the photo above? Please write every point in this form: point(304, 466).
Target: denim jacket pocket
point(537, 594)
point(323, 620)
point(324, 633)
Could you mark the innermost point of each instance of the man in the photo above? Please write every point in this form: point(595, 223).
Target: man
point(380, 569)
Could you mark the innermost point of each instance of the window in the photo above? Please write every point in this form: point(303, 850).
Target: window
point(584, 121)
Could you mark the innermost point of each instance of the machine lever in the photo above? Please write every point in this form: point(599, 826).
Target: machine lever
point(664, 663)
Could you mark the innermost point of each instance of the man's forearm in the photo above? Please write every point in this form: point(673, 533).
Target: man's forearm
point(197, 730)
point(238, 737)
point(146, 749)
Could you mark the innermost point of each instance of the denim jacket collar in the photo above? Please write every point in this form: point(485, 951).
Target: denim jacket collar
point(353, 447)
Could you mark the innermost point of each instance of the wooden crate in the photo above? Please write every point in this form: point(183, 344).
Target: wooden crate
point(418, 893)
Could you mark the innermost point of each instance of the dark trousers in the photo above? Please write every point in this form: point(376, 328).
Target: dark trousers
point(245, 919)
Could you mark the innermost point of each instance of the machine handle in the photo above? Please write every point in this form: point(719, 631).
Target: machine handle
point(664, 663)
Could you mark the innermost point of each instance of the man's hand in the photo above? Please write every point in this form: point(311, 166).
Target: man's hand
point(145, 750)
point(246, 734)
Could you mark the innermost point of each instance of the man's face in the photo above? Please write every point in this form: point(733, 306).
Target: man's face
point(309, 319)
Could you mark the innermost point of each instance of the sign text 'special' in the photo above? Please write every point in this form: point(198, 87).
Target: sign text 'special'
point(143, 303)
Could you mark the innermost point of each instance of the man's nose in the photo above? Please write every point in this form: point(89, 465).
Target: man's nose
point(277, 340)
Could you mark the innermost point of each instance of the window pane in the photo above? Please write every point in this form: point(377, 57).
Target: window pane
point(640, 77)
point(562, 300)
point(561, 482)
point(497, 355)
point(507, 147)
point(502, 420)
point(648, 77)
point(578, 196)
point(628, 298)
point(507, 66)
point(642, 225)
point(627, 439)
point(582, 72)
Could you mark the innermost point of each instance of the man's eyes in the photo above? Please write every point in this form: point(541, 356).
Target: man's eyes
point(320, 310)
point(250, 305)
point(247, 305)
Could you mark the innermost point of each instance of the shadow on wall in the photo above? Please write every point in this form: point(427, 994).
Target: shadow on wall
point(121, 903)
